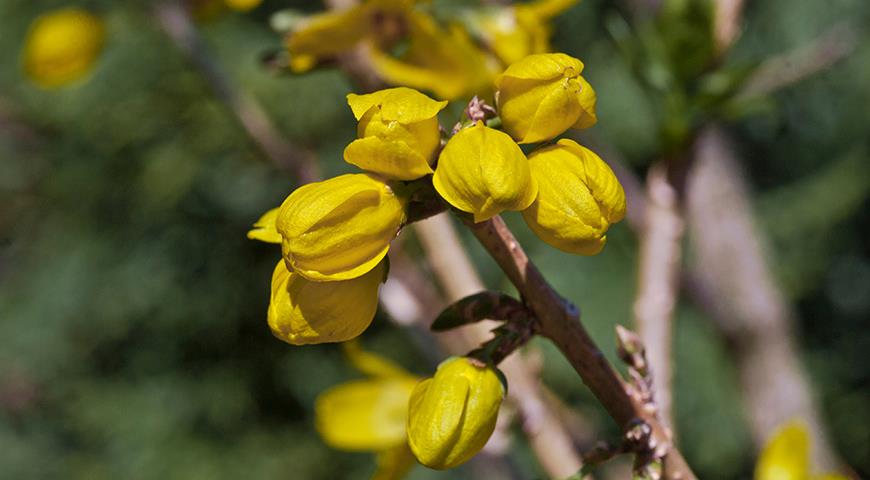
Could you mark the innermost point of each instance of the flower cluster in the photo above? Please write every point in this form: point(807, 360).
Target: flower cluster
point(458, 54)
point(335, 234)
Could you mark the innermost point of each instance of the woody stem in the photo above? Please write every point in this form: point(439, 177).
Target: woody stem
point(560, 322)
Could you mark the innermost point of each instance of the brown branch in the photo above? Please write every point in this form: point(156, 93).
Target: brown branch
point(560, 322)
point(179, 28)
point(726, 24)
point(754, 316)
point(658, 282)
point(455, 273)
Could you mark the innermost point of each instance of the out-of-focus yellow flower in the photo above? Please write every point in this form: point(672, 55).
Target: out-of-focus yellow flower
point(339, 228)
point(303, 312)
point(786, 456)
point(398, 133)
point(62, 46)
point(519, 30)
point(243, 5)
point(543, 95)
point(578, 198)
point(442, 60)
point(370, 414)
point(483, 172)
point(452, 415)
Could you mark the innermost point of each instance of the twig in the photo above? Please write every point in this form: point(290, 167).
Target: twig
point(177, 24)
point(560, 322)
point(755, 317)
point(658, 282)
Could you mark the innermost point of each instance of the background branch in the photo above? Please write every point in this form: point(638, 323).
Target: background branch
point(754, 316)
point(658, 282)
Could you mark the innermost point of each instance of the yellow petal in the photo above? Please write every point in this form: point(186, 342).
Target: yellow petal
point(264, 229)
point(339, 228)
point(62, 46)
point(483, 172)
point(452, 415)
point(587, 100)
point(541, 67)
point(394, 463)
point(372, 364)
point(786, 455)
point(303, 312)
point(364, 415)
point(328, 34)
point(394, 160)
point(555, 114)
point(578, 198)
point(401, 104)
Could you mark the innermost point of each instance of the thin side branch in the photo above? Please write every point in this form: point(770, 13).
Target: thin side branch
point(560, 322)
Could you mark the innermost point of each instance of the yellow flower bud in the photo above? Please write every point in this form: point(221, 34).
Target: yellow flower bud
point(339, 228)
point(398, 133)
point(543, 95)
point(578, 199)
point(303, 312)
point(483, 172)
point(62, 46)
point(452, 415)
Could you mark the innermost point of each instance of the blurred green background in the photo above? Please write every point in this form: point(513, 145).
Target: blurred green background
point(133, 341)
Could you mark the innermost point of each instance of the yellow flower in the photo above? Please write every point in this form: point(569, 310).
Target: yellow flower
point(517, 31)
point(483, 172)
point(398, 133)
point(62, 46)
point(578, 198)
point(442, 60)
point(303, 312)
point(543, 95)
point(452, 415)
point(786, 456)
point(370, 414)
point(243, 5)
point(339, 228)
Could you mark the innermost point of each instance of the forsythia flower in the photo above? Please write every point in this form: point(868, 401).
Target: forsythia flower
point(518, 30)
point(483, 172)
point(303, 312)
point(543, 95)
point(443, 60)
point(369, 414)
point(452, 415)
point(62, 46)
point(398, 133)
point(578, 198)
point(786, 456)
point(339, 228)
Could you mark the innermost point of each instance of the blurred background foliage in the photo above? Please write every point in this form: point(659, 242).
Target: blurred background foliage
point(133, 341)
